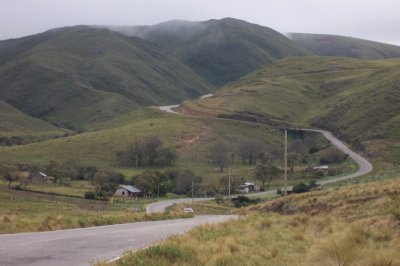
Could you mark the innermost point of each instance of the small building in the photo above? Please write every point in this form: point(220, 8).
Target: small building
point(126, 191)
point(39, 177)
point(247, 187)
point(321, 169)
point(315, 169)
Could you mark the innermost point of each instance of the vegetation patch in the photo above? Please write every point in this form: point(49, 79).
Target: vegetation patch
point(361, 232)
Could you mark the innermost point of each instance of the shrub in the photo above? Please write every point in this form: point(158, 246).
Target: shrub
point(242, 201)
point(219, 199)
point(300, 188)
point(332, 155)
point(90, 195)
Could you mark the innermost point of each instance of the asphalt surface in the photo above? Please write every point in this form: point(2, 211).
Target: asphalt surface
point(82, 246)
point(160, 206)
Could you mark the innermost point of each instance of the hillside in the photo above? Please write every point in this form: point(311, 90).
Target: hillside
point(220, 51)
point(334, 45)
point(352, 225)
point(191, 137)
point(78, 77)
point(14, 123)
point(356, 99)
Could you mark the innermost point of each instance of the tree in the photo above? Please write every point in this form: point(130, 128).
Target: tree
point(60, 170)
point(9, 173)
point(168, 156)
point(219, 155)
point(98, 181)
point(249, 150)
point(236, 181)
point(137, 153)
point(147, 182)
point(265, 172)
point(86, 172)
point(147, 152)
point(30, 169)
point(153, 149)
point(293, 158)
point(182, 183)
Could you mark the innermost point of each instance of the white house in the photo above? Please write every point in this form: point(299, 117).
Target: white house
point(126, 191)
point(247, 187)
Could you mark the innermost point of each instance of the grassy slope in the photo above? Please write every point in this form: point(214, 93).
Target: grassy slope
point(78, 77)
point(356, 99)
point(333, 45)
point(22, 211)
point(16, 123)
point(100, 147)
point(355, 225)
point(220, 51)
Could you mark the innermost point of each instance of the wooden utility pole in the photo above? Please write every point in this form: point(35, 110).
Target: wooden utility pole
point(229, 187)
point(192, 192)
point(285, 176)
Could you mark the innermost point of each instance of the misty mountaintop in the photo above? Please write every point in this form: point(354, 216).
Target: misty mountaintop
point(220, 51)
point(78, 78)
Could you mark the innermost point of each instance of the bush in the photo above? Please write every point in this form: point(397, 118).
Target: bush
point(243, 201)
point(332, 155)
point(300, 188)
point(219, 199)
point(90, 195)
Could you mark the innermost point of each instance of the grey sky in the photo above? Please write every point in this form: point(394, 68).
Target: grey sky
point(370, 19)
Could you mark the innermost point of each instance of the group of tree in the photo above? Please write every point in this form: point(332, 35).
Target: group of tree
point(149, 151)
point(250, 152)
point(153, 183)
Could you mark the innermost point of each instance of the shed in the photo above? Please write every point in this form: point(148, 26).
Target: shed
point(39, 177)
point(126, 191)
point(247, 187)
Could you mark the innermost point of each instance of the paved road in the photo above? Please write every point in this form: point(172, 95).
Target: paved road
point(82, 246)
point(364, 166)
point(160, 206)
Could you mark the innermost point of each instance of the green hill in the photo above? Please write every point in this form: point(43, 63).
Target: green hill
point(220, 51)
point(78, 77)
point(333, 45)
point(356, 99)
point(14, 123)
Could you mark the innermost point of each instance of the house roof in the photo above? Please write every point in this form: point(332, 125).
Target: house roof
point(321, 167)
point(130, 188)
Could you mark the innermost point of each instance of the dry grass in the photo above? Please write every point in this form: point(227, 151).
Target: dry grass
point(22, 211)
point(355, 225)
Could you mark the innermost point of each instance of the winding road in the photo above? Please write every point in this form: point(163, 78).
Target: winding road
point(364, 167)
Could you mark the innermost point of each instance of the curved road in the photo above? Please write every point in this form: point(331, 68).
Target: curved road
point(82, 246)
point(364, 166)
point(161, 205)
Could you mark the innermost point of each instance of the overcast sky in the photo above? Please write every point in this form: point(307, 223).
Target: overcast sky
point(377, 20)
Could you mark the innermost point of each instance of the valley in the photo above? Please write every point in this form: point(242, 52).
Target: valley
point(187, 109)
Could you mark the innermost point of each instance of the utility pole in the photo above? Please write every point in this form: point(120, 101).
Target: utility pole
point(229, 187)
point(158, 190)
point(285, 176)
point(192, 192)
